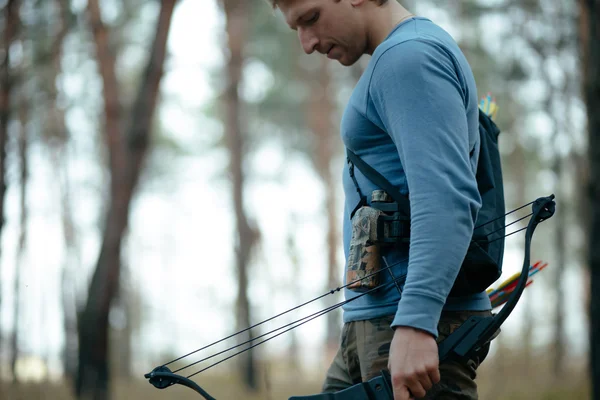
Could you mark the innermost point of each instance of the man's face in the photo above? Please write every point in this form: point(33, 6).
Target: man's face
point(331, 27)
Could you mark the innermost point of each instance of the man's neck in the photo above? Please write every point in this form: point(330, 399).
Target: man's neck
point(382, 21)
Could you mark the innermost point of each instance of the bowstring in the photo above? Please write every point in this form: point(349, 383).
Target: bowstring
point(505, 215)
point(330, 292)
point(503, 228)
point(295, 324)
point(308, 318)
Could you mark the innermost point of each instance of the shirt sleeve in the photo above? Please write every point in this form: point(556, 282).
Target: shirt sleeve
point(418, 93)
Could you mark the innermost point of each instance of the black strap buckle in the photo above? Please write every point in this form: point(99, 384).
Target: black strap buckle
point(393, 228)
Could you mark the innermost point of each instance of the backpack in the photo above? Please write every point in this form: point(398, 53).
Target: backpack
point(482, 264)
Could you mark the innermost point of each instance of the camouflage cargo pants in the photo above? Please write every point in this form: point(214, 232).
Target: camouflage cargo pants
point(364, 353)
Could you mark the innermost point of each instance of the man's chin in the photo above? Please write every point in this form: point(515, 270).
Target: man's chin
point(345, 59)
point(348, 61)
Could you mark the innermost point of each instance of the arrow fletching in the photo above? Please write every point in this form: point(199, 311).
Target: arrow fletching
point(500, 295)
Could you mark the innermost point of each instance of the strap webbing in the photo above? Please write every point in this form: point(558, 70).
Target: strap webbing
point(379, 180)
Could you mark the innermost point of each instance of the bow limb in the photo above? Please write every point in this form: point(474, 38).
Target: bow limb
point(162, 378)
point(477, 331)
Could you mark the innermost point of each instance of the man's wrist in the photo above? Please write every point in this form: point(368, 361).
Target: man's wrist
point(402, 328)
point(419, 311)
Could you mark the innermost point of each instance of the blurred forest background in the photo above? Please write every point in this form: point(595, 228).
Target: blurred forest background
point(169, 175)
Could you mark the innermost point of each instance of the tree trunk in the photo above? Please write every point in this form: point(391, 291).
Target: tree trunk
point(294, 291)
point(557, 98)
point(236, 14)
point(559, 248)
point(321, 111)
point(56, 129)
point(126, 155)
point(560, 238)
point(590, 17)
point(11, 26)
point(120, 335)
point(518, 163)
point(24, 178)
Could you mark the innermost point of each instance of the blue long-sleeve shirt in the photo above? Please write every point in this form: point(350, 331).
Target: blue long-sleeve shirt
point(413, 116)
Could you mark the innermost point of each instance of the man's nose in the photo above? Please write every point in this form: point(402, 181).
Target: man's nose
point(308, 40)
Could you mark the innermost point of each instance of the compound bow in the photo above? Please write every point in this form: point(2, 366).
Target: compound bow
point(469, 337)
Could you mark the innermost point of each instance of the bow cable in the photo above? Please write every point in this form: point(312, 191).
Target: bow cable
point(338, 289)
point(161, 377)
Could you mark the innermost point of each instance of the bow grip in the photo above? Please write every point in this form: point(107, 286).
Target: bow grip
point(378, 388)
point(467, 338)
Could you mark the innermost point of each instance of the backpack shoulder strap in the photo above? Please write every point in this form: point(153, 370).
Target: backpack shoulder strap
point(379, 180)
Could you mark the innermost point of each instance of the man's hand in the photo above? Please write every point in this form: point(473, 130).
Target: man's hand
point(413, 363)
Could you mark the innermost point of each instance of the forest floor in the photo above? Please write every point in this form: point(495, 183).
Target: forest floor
point(506, 378)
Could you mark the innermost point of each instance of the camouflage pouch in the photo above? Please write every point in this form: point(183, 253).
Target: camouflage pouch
point(363, 265)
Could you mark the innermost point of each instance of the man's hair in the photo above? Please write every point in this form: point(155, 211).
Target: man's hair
point(274, 2)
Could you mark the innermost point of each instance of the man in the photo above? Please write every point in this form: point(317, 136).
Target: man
point(413, 116)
